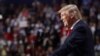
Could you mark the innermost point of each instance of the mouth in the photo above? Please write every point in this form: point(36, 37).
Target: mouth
point(63, 20)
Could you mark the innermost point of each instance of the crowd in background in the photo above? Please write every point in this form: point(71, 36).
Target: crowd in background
point(36, 29)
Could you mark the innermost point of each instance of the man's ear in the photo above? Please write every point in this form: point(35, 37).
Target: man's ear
point(72, 14)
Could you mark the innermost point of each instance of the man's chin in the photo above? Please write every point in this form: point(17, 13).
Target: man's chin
point(65, 24)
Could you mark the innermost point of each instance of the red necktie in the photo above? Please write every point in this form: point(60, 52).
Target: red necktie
point(69, 32)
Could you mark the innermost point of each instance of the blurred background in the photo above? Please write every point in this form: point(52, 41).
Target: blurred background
point(33, 27)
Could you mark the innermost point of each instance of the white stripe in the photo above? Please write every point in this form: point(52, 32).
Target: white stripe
point(74, 24)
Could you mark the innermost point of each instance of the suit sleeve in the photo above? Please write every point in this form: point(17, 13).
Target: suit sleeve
point(70, 44)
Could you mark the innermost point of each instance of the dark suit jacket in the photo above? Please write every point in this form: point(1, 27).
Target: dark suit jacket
point(78, 43)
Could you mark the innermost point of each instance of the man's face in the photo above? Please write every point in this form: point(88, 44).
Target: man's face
point(65, 17)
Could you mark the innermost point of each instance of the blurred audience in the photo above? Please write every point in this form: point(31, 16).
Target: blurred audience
point(36, 30)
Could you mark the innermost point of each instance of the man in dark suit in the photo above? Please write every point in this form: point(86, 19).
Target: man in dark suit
point(79, 40)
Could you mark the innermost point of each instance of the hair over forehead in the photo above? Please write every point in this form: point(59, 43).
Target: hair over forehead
point(71, 8)
point(68, 7)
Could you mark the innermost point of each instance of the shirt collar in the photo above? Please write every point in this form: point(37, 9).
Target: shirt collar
point(74, 24)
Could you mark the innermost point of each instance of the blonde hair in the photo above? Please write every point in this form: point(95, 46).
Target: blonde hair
point(71, 7)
